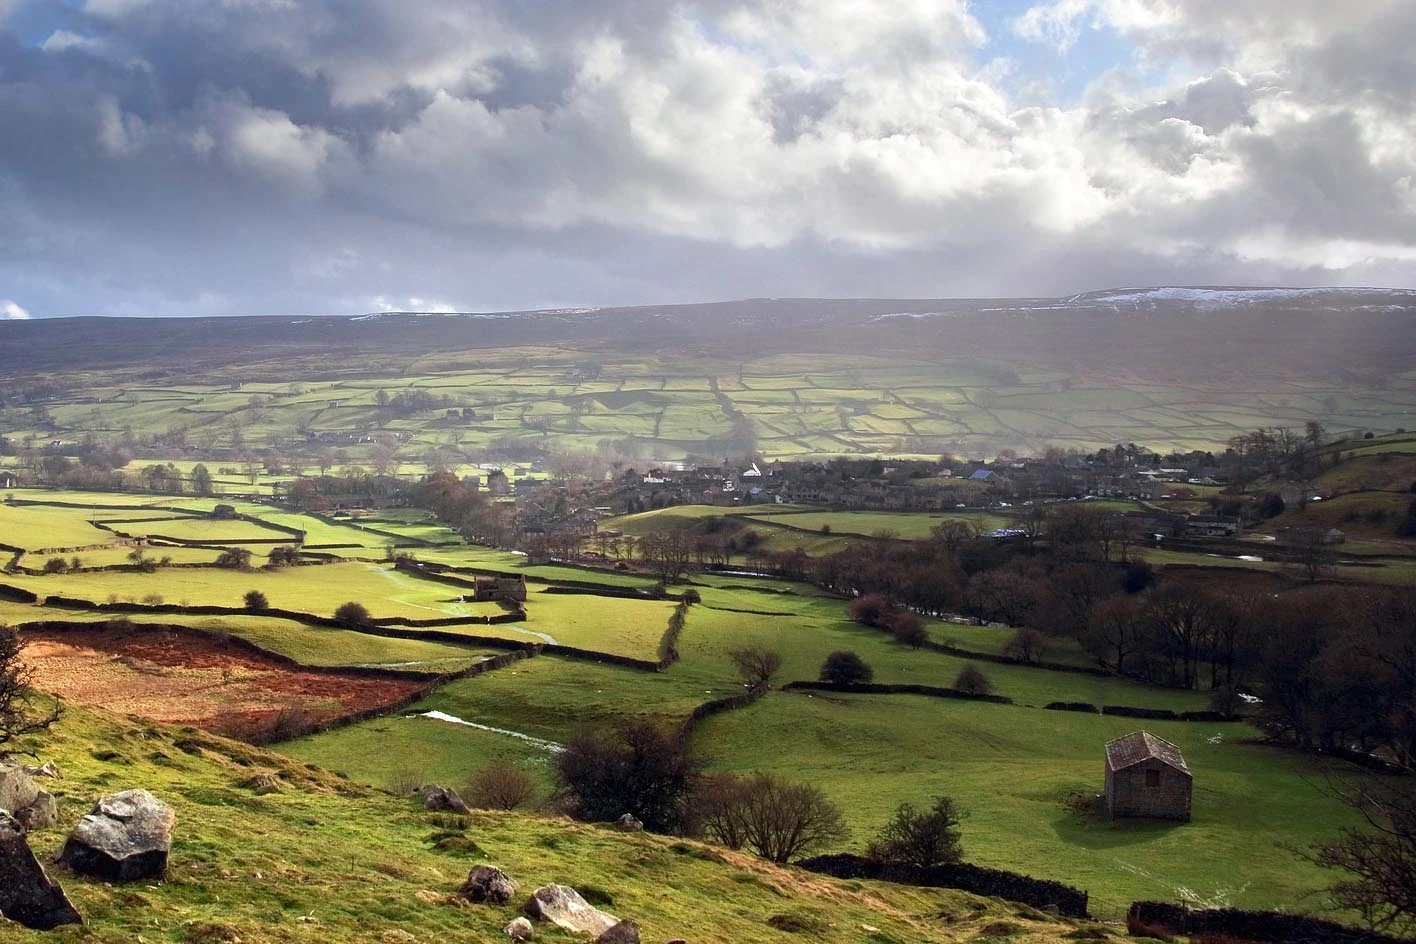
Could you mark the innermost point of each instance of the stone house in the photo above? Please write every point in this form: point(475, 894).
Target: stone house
point(1212, 526)
point(510, 589)
point(1147, 776)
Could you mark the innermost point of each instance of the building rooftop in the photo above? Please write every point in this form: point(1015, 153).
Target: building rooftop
point(1140, 746)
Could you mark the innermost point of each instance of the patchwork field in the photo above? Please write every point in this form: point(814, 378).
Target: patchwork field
point(193, 679)
point(656, 407)
point(1026, 775)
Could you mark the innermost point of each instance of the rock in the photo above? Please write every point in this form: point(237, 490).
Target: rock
point(629, 821)
point(263, 784)
point(442, 799)
point(626, 932)
point(32, 807)
point(126, 838)
point(17, 788)
point(562, 906)
point(41, 814)
point(520, 930)
point(48, 769)
point(27, 895)
point(487, 884)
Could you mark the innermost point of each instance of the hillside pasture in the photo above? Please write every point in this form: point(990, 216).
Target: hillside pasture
point(39, 527)
point(318, 590)
point(1027, 779)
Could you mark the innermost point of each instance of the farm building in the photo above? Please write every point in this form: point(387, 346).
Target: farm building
point(511, 589)
point(1147, 776)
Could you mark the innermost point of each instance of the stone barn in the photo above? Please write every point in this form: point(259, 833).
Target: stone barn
point(1147, 776)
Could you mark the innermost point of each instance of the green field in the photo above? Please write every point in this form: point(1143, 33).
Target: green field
point(1013, 768)
point(661, 406)
point(318, 590)
point(324, 861)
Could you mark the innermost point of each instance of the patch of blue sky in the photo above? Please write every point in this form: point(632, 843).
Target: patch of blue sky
point(34, 21)
point(1042, 74)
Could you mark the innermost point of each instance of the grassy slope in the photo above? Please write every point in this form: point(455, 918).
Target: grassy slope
point(1013, 768)
point(326, 861)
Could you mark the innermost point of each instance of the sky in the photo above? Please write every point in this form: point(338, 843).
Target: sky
point(213, 157)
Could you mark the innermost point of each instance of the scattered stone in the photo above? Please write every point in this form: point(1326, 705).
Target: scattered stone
point(487, 884)
point(264, 784)
point(520, 930)
point(47, 769)
point(629, 821)
point(626, 932)
point(438, 799)
point(562, 906)
point(125, 839)
point(27, 895)
point(397, 936)
point(41, 814)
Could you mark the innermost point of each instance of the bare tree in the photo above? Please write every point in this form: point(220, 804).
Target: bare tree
point(20, 715)
point(1380, 860)
point(756, 664)
point(782, 820)
point(500, 787)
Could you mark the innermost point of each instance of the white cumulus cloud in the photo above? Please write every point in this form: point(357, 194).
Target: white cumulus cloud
point(11, 311)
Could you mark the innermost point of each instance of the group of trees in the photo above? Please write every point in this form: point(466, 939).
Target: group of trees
point(654, 775)
point(643, 770)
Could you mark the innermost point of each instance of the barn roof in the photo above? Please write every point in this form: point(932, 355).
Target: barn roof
point(1141, 746)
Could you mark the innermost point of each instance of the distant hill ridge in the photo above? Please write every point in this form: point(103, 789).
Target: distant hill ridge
point(1283, 332)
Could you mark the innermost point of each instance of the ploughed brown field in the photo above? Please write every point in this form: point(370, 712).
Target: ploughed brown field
point(189, 678)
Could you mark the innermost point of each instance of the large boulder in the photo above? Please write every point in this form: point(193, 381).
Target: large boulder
point(17, 788)
point(562, 906)
point(626, 932)
point(630, 821)
point(32, 807)
point(438, 799)
point(489, 885)
point(41, 814)
point(125, 839)
point(27, 895)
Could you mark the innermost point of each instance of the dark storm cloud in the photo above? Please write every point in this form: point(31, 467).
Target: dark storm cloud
point(171, 156)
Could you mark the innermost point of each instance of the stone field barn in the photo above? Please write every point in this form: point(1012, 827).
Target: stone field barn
point(1147, 776)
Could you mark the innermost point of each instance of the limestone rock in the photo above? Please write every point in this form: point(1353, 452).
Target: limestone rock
point(126, 838)
point(41, 814)
point(629, 821)
point(47, 769)
point(487, 884)
point(519, 930)
point(27, 895)
point(21, 797)
point(626, 932)
point(562, 906)
point(442, 799)
point(264, 784)
point(17, 788)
